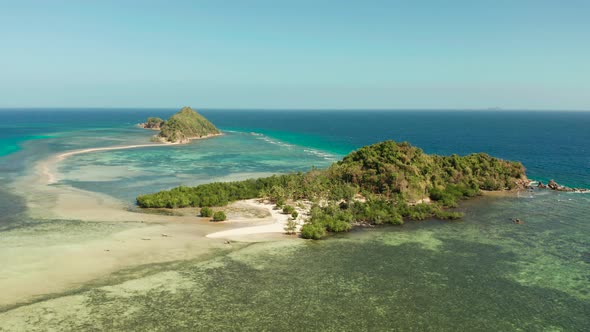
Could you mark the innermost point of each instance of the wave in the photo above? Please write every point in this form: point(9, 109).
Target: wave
point(271, 141)
point(321, 154)
point(314, 152)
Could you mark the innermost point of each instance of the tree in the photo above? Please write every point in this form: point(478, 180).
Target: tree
point(206, 212)
point(291, 226)
point(219, 216)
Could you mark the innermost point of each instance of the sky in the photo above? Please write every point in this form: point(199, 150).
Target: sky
point(514, 54)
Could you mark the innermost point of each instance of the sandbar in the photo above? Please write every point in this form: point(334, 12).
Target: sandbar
point(37, 263)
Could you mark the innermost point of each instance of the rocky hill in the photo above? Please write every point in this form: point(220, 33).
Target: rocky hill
point(182, 127)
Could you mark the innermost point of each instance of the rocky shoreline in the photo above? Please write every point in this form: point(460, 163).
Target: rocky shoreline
point(148, 126)
point(186, 140)
point(153, 123)
point(552, 185)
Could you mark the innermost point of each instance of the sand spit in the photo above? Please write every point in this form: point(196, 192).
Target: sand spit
point(46, 168)
point(36, 262)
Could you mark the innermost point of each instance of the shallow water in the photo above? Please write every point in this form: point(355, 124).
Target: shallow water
point(481, 273)
point(126, 174)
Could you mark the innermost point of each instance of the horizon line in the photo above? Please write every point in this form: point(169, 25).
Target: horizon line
point(479, 109)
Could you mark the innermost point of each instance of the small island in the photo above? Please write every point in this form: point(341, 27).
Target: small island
point(154, 123)
point(384, 183)
point(182, 127)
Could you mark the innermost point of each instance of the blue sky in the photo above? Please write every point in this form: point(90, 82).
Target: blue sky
point(296, 54)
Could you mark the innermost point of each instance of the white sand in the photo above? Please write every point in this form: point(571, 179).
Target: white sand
point(41, 263)
point(276, 223)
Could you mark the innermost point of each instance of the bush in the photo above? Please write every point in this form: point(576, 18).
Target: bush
point(279, 202)
point(313, 231)
point(422, 211)
point(219, 216)
point(288, 209)
point(338, 225)
point(291, 226)
point(206, 212)
point(394, 219)
point(295, 214)
point(447, 215)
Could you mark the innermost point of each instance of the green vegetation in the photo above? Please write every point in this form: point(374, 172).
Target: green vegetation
point(313, 231)
point(379, 184)
point(154, 123)
point(291, 226)
point(288, 209)
point(206, 212)
point(219, 216)
point(185, 125)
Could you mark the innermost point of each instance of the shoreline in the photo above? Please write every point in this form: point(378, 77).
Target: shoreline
point(121, 239)
point(186, 140)
point(279, 221)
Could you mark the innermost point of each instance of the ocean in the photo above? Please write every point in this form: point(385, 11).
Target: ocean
point(482, 273)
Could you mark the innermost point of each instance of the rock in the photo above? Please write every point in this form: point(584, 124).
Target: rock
point(145, 238)
point(152, 123)
point(517, 221)
point(553, 185)
point(165, 235)
point(557, 187)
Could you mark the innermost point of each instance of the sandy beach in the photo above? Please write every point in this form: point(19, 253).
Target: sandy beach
point(122, 238)
point(276, 224)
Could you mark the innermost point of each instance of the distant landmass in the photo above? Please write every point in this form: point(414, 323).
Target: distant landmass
point(182, 127)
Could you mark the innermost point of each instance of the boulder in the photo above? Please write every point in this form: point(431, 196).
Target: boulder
point(553, 185)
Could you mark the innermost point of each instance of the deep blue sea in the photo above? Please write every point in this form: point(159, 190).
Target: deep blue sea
point(483, 273)
point(551, 145)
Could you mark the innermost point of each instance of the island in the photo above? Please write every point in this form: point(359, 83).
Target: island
point(154, 123)
point(182, 127)
point(384, 183)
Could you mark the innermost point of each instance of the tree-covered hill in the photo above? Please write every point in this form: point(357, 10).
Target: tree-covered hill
point(183, 126)
point(381, 183)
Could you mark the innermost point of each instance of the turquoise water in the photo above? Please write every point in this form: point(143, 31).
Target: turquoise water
point(550, 144)
point(236, 155)
point(483, 273)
